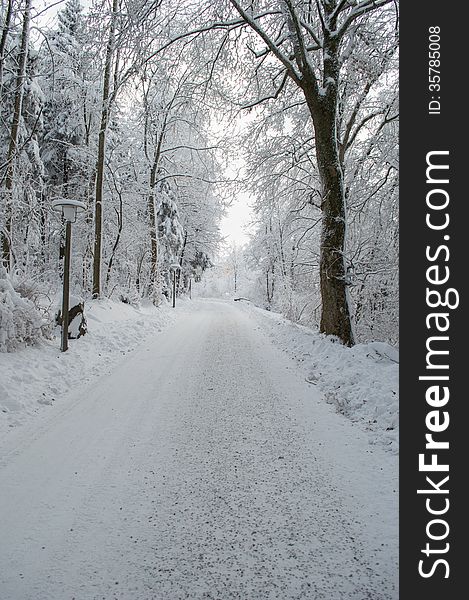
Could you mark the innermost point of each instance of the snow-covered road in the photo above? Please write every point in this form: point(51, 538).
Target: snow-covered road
point(203, 467)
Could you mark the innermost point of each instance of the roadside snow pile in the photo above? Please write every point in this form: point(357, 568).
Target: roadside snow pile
point(21, 324)
point(41, 374)
point(361, 382)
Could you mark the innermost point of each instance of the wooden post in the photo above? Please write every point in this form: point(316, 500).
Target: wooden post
point(66, 291)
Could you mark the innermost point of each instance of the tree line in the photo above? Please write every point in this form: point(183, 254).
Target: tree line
point(86, 116)
point(116, 106)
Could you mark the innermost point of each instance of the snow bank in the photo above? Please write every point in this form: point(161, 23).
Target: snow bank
point(40, 375)
point(361, 382)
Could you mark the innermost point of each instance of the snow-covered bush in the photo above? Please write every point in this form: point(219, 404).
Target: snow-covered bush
point(21, 323)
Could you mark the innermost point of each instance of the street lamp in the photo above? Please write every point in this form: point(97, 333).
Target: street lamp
point(69, 210)
point(175, 267)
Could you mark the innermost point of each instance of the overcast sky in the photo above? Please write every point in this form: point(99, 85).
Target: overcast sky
point(236, 223)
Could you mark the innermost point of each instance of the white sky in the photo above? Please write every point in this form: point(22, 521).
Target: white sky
point(48, 10)
point(235, 226)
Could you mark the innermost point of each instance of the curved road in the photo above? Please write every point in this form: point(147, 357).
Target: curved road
point(203, 467)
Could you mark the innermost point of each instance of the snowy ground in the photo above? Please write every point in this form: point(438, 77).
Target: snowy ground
point(361, 382)
point(40, 376)
point(202, 465)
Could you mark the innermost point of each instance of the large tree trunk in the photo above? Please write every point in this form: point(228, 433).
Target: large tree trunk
point(100, 164)
point(335, 313)
point(335, 316)
point(7, 255)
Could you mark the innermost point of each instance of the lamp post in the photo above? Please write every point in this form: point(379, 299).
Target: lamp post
point(69, 210)
point(175, 268)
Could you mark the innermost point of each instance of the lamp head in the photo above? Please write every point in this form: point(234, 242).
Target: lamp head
point(68, 208)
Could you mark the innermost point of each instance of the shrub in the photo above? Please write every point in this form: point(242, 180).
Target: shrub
point(21, 323)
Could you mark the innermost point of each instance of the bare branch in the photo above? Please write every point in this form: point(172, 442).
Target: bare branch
point(273, 96)
point(189, 148)
point(312, 33)
point(251, 21)
point(302, 59)
point(361, 9)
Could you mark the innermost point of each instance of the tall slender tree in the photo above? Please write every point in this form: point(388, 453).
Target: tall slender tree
point(7, 228)
point(100, 164)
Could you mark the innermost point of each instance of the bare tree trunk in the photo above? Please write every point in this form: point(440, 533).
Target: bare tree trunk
point(335, 314)
point(43, 226)
point(7, 255)
point(120, 222)
point(152, 214)
point(153, 241)
point(153, 182)
point(3, 40)
point(272, 285)
point(283, 264)
point(105, 110)
point(181, 258)
point(139, 270)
